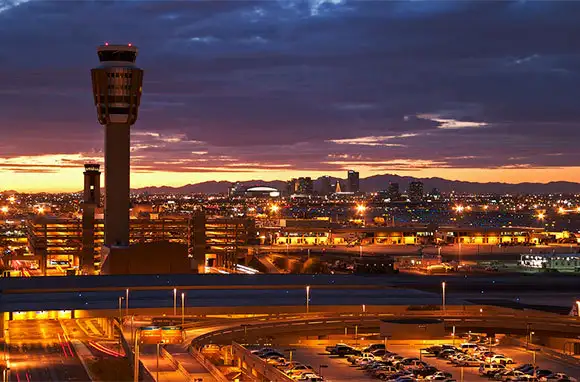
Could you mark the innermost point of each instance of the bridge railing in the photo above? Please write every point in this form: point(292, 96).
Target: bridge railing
point(490, 320)
point(209, 366)
point(257, 366)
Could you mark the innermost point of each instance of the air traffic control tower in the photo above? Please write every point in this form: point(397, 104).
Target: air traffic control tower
point(117, 90)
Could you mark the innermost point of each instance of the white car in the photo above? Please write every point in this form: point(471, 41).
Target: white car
point(499, 358)
point(558, 376)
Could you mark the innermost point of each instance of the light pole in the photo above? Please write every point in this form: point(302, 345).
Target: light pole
point(127, 302)
point(360, 250)
point(157, 378)
point(174, 301)
point(355, 335)
point(120, 320)
point(443, 284)
point(364, 308)
point(182, 308)
point(120, 309)
point(307, 298)
point(136, 364)
point(453, 335)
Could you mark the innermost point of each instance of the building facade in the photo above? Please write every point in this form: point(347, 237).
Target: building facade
point(215, 241)
point(415, 191)
point(353, 181)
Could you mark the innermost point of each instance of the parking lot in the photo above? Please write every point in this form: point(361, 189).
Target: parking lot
point(339, 369)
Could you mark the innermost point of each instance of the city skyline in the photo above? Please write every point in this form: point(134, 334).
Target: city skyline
point(276, 90)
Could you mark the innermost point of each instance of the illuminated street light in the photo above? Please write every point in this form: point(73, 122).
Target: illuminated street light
point(458, 209)
point(443, 284)
point(182, 308)
point(561, 210)
point(274, 208)
point(127, 302)
point(541, 216)
point(307, 298)
point(361, 208)
point(12, 199)
point(4, 209)
point(175, 301)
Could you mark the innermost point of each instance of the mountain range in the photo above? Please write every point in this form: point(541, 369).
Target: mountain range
point(381, 182)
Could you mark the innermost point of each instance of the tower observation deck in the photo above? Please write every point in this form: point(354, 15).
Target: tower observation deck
point(117, 86)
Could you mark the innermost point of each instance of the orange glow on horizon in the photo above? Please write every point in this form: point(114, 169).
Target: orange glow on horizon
point(70, 179)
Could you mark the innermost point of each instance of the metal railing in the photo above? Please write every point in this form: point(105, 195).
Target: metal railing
point(251, 362)
point(209, 366)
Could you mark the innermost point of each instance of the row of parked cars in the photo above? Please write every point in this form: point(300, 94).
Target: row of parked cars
point(376, 361)
point(295, 370)
point(494, 366)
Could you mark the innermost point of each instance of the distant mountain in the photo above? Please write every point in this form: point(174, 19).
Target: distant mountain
point(381, 182)
point(211, 187)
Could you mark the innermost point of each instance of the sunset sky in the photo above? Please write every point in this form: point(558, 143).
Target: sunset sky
point(479, 91)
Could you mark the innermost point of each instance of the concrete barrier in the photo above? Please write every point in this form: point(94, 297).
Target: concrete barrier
point(176, 364)
point(256, 366)
point(144, 374)
point(209, 366)
point(546, 351)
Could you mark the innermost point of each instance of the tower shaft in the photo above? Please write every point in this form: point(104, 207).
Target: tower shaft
point(117, 184)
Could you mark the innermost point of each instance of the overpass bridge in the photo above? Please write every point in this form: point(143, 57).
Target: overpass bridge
point(210, 291)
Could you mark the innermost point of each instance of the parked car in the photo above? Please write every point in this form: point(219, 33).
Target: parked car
point(438, 376)
point(489, 369)
point(371, 348)
point(558, 377)
point(499, 358)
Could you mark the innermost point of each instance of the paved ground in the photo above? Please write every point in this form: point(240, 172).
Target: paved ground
point(339, 369)
point(38, 351)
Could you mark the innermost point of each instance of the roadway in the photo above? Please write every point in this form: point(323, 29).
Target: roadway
point(255, 290)
point(39, 350)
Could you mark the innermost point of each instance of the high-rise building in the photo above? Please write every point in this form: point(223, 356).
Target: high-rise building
point(300, 186)
point(393, 192)
point(353, 182)
point(305, 186)
point(117, 85)
point(91, 200)
point(415, 191)
point(435, 194)
point(236, 189)
point(325, 185)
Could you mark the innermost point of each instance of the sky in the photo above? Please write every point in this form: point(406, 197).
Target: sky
point(236, 90)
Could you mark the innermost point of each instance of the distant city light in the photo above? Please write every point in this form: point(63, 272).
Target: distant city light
point(274, 208)
point(459, 209)
point(541, 215)
point(4, 209)
point(361, 208)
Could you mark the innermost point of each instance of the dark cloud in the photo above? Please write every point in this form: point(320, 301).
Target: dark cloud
point(278, 83)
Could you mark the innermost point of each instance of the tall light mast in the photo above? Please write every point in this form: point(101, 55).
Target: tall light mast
point(91, 200)
point(117, 89)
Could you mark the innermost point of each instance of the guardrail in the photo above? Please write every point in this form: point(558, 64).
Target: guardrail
point(489, 320)
point(256, 366)
point(209, 366)
point(546, 351)
point(176, 364)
